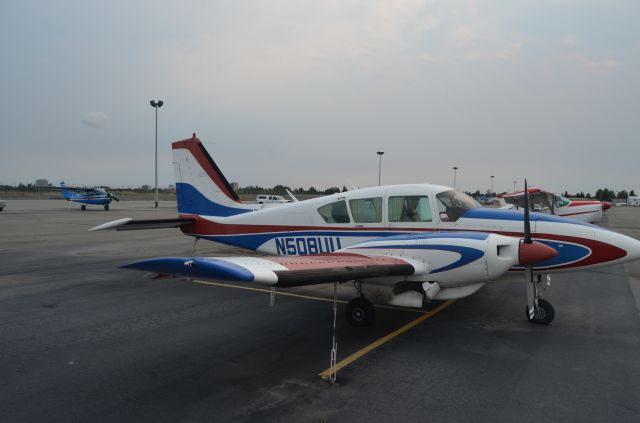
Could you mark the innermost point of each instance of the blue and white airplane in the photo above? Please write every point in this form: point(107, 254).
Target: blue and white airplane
point(400, 244)
point(87, 196)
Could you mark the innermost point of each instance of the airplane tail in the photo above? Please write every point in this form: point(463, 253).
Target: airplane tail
point(201, 188)
point(66, 193)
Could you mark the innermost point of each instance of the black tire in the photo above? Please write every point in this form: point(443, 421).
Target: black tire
point(360, 312)
point(1, 208)
point(106, 207)
point(83, 207)
point(545, 314)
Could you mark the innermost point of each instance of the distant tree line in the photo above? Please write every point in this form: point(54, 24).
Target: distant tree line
point(282, 190)
point(604, 194)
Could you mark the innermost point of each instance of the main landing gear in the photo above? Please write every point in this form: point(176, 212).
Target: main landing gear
point(539, 310)
point(83, 207)
point(360, 311)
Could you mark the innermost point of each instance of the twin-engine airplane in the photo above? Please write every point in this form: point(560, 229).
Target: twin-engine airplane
point(547, 202)
point(84, 196)
point(403, 244)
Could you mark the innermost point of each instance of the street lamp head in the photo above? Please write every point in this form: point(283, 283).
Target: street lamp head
point(455, 168)
point(380, 153)
point(154, 104)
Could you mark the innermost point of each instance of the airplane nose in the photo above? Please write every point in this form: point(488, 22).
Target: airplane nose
point(628, 245)
point(632, 247)
point(535, 252)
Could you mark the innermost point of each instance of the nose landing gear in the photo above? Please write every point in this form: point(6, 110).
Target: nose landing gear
point(538, 310)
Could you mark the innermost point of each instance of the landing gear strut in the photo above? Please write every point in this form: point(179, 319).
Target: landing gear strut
point(542, 311)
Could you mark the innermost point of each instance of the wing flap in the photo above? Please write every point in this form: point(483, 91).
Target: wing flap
point(279, 271)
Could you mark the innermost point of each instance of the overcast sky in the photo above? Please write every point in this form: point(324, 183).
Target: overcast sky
point(304, 93)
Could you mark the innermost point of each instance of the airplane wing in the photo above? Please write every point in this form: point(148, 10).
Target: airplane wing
point(74, 189)
point(536, 196)
point(278, 270)
point(129, 224)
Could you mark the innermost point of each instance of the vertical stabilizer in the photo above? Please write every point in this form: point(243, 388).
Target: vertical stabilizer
point(66, 193)
point(201, 188)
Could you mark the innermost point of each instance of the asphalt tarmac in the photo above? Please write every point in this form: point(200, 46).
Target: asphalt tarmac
point(81, 340)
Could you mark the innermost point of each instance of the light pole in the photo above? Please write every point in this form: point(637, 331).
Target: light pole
point(455, 168)
point(514, 186)
point(156, 105)
point(491, 184)
point(379, 153)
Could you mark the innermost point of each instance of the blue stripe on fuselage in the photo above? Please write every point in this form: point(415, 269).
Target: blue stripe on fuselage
point(480, 236)
point(191, 201)
point(497, 214)
point(567, 253)
point(98, 201)
point(467, 254)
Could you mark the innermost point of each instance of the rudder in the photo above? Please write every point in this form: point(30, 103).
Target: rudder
point(201, 188)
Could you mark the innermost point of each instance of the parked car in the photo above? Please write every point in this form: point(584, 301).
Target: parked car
point(262, 199)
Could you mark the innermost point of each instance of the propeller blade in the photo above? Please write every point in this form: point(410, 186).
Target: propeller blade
point(527, 223)
point(115, 198)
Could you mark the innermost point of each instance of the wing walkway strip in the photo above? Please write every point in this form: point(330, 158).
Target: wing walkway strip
point(358, 354)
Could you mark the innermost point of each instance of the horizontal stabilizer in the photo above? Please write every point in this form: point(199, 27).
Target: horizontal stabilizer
point(128, 224)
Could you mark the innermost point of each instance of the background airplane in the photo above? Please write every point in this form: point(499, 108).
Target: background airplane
point(401, 244)
point(86, 196)
point(548, 202)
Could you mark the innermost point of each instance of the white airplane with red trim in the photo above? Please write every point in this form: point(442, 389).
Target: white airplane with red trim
point(401, 244)
point(547, 202)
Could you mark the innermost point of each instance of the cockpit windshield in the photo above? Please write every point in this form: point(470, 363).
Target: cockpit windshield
point(453, 204)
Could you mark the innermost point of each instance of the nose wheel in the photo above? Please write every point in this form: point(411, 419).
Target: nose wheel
point(106, 207)
point(83, 207)
point(538, 310)
point(543, 314)
point(360, 312)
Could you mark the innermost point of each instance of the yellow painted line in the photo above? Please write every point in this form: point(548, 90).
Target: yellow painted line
point(358, 354)
point(307, 297)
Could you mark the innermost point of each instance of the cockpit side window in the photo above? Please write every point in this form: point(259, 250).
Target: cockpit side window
point(453, 204)
point(366, 210)
point(409, 208)
point(335, 212)
point(562, 201)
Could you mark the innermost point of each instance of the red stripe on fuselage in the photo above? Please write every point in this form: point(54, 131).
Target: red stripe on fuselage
point(601, 252)
point(575, 214)
point(194, 146)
